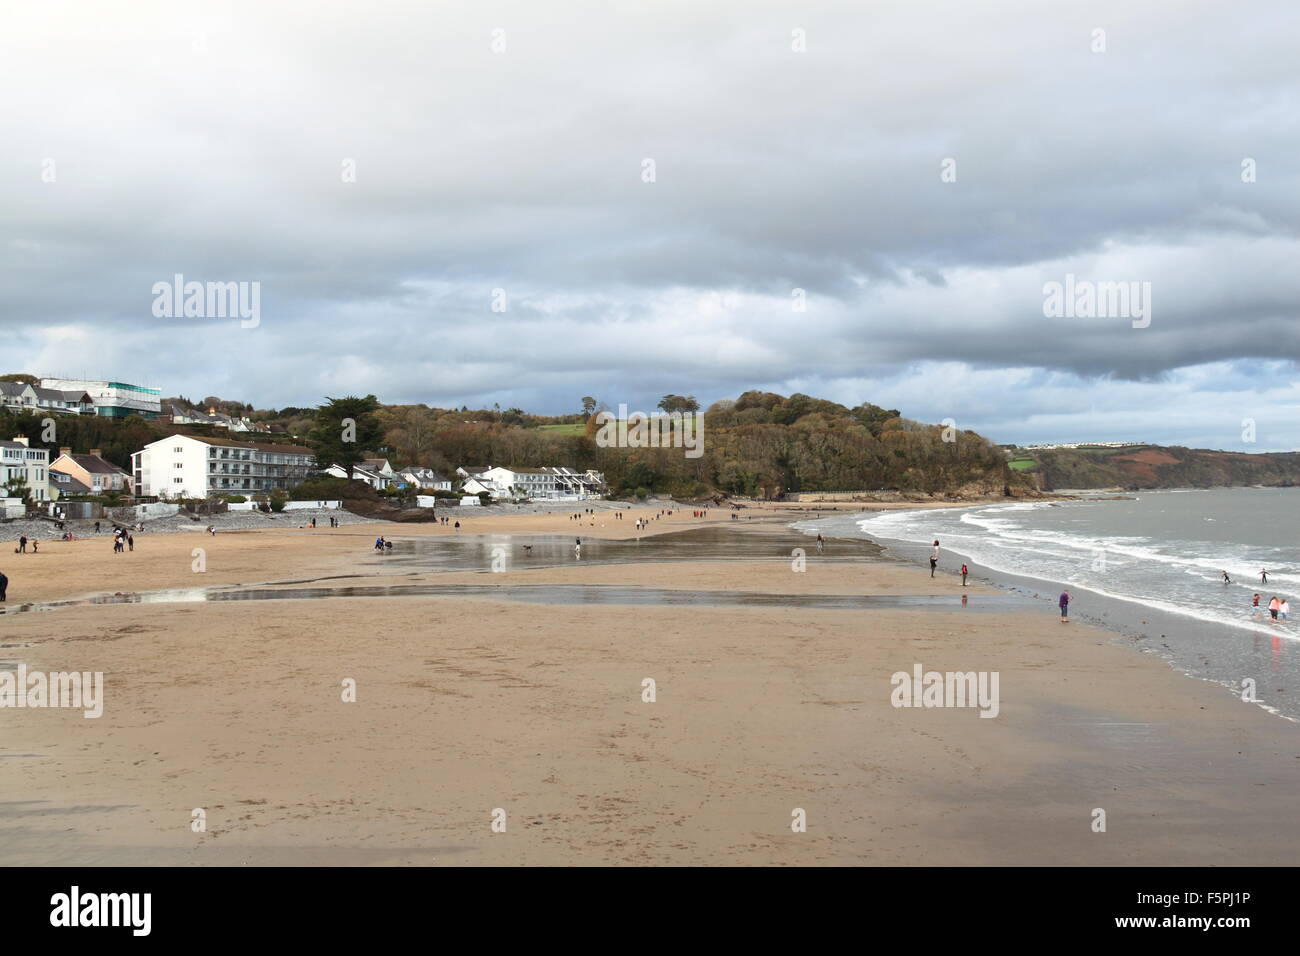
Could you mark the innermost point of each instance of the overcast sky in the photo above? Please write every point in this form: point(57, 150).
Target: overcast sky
point(216, 145)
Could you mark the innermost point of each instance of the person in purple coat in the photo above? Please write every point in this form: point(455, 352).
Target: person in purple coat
point(1065, 607)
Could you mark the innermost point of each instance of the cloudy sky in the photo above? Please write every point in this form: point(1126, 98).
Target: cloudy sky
point(381, 168)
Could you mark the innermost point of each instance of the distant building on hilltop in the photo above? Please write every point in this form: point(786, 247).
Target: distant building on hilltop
point(19, 396)
point(113, 399)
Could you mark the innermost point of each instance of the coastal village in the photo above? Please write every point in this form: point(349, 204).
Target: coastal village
point(245, 470)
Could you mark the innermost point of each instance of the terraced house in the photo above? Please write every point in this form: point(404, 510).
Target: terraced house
point(23, 466)
point(187, 466)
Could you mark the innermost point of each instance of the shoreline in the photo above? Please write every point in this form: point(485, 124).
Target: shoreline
point(1133, 625)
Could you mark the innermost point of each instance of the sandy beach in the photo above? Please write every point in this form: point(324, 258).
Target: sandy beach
point(469, 704)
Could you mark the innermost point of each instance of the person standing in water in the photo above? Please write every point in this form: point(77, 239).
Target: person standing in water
point(934, 557)
point(1064, 602)
point(1263, 576)
point(1226, 579)
point(1273, 607)
point(1284, 609)
point(1254, 606)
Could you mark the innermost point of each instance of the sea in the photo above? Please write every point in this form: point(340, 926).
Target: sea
point(1147, 566)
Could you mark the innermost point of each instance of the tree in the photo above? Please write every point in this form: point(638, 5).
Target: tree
point(679, 403)
point(17, 488)
point(344, 429)
point(20, 377)
point(588, 406)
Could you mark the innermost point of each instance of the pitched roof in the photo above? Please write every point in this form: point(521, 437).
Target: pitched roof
point(95, 464)
point(67, 483)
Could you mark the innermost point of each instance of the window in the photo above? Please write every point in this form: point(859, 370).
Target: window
point(178, 449)
point(177, 481)
point(178, 465)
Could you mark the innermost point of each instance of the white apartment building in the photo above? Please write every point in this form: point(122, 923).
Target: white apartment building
point(20, 462)
point(186, 466)
point(536, 483)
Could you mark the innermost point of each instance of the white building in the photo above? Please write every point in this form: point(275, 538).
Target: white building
point(186, 466)
point(417, 476)
point(113, 399)
point(558, 484)
point(20, 463)
point(375, 479)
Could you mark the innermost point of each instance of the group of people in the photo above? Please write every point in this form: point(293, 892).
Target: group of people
point(1278, 609)
point(383, 544)
point(122, 541)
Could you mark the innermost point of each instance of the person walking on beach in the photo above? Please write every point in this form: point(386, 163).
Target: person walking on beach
point(22, 544)
point(130, 542)
point(96, 527)
point(577, 547)
point(379, 543)
point(457, 526)
point(964, 572)
point(4, 586)
point(934, 557)
point(1064, 602)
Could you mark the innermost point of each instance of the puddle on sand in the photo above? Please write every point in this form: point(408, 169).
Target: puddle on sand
point(574, 594)
point(520, 552)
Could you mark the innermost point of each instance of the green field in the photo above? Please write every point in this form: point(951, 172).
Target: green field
point(1022, 464)
point(574, 429)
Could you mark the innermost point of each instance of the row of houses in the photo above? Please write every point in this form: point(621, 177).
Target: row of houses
point(180, 416)
point(69, 474)
point(533, 484)
point(75, 396)
point(191, 466)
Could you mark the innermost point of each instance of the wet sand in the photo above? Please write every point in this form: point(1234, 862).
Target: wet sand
point(470, 703)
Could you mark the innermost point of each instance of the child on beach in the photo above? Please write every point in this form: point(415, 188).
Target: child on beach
point(964, 572)
point(1284, 610)
point(1273, 607)
point(934, 557)
point(1065, 607)
point(1254, 606)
